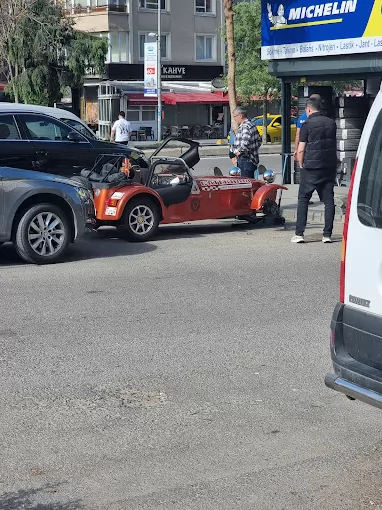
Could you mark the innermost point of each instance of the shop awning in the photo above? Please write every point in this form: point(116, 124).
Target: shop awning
point(138, 99)
point(194, 98)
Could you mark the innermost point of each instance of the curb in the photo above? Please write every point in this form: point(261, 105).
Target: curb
point(314, 217)
point(214, 150)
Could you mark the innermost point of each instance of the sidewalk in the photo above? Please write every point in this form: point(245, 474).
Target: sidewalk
point(208, 148)
point(316, 210)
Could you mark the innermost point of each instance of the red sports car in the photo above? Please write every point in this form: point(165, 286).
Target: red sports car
point(138, 200)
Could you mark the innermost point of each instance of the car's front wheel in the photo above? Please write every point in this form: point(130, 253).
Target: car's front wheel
point(140, 219)
point(43, 234)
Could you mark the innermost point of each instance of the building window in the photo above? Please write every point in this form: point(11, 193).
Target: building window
point(205, 47)
point(119, 46)
point(205, 6)
point(165, 42)
point(153, 4)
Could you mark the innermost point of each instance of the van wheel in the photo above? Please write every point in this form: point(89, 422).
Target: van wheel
point(140, 220)
point(268, 139)
point(43, 234)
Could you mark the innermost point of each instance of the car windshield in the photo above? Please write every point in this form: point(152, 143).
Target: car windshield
point(260, 122)
point(78, 126)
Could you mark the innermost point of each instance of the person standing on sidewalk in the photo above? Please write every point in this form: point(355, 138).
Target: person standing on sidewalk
point(317, 157)
point(247, 144)
point(120, 132)
point(300, 121)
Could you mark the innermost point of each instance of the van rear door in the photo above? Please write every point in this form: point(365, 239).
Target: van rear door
point(362, 320)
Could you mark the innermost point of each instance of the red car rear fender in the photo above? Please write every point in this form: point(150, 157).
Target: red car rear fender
point(265, 192)
point(130, 192)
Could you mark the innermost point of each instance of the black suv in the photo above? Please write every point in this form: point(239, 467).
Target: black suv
point(35, 141)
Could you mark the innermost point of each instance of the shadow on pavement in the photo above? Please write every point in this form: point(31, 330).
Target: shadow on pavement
point(102, 244)
point(28, 500)
point(185, 231)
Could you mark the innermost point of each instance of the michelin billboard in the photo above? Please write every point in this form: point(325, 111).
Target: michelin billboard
point(300, 28)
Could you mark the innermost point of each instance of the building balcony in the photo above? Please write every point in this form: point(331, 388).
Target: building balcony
point(84, 7)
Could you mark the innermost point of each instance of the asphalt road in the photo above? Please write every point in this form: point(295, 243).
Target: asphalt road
point(185, 373)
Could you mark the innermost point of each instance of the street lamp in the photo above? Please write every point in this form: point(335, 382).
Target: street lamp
point(159, 72)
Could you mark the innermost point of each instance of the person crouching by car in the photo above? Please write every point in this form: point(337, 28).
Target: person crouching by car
point(247, 144)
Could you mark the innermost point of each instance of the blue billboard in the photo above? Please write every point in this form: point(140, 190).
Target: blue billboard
point(300, 28)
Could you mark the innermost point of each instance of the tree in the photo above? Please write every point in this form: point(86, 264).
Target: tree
point(252, 76)
point(11, 12)
point(43, 52)
point(230, 40)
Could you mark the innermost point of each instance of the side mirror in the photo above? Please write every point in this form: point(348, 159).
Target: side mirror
point(261, 169)
point(73, 136)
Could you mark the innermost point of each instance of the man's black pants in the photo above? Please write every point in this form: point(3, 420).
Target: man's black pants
point(322, 181)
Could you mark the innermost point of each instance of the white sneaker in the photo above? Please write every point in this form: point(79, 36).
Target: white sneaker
point(327, 239)
point(298, 239)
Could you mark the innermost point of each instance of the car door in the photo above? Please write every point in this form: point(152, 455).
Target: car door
point(2, 215)
point(274, 129)
point(54, 151)
point(15, 151)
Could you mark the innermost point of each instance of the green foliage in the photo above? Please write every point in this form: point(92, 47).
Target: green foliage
point(44, 53)
point(252, 76)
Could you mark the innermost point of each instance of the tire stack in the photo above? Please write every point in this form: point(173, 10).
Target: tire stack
point(304, 93)
point(351, 115)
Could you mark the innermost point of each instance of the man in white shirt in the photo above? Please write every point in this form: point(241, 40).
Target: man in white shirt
point(120, 132)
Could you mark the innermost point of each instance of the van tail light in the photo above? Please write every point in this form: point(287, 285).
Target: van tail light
point(112, 202)
point(345, 235)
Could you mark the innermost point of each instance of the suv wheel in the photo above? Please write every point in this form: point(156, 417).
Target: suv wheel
point(140, 219)
point(43, 234)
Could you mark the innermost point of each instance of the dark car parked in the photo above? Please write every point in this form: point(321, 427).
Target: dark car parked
point(42, 213)
point(35, 141)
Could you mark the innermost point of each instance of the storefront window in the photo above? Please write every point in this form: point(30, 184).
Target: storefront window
point(148, 112)
point(133, 114)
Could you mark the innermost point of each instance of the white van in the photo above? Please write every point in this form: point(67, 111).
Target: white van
point(58, 113)
point(356, 329)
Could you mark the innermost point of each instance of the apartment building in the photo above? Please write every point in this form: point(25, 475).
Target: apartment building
point(192, 57)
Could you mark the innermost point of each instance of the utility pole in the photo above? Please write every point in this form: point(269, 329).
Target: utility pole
point(159, 72)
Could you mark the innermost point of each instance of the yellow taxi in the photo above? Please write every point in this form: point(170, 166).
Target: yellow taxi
point(274, 127)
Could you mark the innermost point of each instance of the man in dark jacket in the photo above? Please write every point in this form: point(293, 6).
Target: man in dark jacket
point(317, 158)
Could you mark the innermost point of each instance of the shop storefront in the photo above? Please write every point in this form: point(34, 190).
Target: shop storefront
point(338, 41)
point(189, 100)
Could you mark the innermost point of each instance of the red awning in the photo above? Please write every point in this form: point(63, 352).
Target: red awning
point(138, 99)
point(194, 98)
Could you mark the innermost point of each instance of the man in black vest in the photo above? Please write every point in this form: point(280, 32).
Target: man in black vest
point(317, 158)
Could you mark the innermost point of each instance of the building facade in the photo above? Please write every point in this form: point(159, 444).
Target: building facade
point(192, 57)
